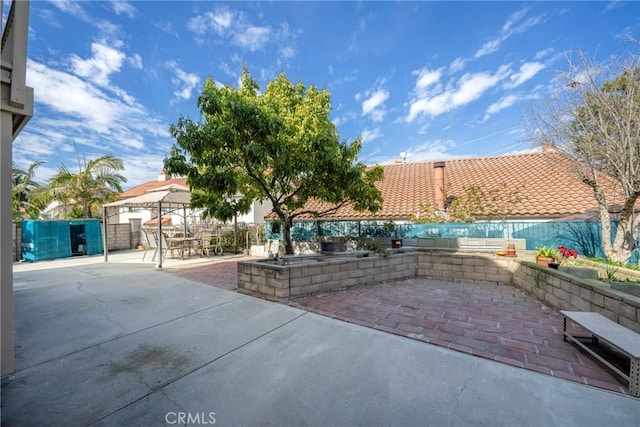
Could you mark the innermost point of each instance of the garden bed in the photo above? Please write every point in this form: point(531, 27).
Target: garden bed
point(270, 279)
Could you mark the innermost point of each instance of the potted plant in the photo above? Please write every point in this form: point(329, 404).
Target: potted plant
point(545, 255)
point(327, 246)
point(391, 230)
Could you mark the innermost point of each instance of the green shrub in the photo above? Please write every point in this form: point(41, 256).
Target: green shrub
point(376, 246)
point(547, 252)
point(615, 263)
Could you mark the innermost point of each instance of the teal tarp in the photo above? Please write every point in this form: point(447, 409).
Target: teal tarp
point(51, 239)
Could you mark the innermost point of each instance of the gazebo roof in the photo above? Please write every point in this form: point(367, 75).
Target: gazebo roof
point(169, 198)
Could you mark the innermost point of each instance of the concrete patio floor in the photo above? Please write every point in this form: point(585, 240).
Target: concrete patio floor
point(497, 322)
point(122, 343)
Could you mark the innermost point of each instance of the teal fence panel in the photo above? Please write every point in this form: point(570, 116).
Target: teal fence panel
point(584, 236)
point(93, 232)
point(51, 239)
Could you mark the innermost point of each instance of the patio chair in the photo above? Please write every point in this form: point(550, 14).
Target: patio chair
point(149, 242)
point(210, 243)
point(152, 241)
point(196, 245)
point(171, 247)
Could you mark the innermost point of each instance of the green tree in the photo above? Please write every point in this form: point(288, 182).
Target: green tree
point(24, 192)
point(594, 118)
point(82, 194)
point(279, 146)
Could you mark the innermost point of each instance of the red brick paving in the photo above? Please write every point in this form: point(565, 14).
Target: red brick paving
point(497, 322)
point(221, 273)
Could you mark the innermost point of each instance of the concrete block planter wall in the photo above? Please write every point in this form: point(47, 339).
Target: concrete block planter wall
point(555, 288)
point(585, 273)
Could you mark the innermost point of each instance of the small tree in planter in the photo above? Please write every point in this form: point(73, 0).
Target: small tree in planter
point(277, 145)
point(391, 230)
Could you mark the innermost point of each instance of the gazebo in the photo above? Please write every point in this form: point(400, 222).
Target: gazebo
point(171, 197)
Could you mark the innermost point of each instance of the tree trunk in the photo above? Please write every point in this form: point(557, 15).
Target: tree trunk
point(287, 223)
point(624, 242)
point(622, 246)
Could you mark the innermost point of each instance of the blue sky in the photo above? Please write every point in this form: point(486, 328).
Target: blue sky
point(435, 80)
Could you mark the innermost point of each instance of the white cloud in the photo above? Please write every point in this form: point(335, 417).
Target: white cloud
point(71, 7)
point(140, 168)
point(431, 150)
point(167, 27)
point(426, 78)
point(489, 47)
point(122, 7)
point(515, 24)
point(352, 44)
point(287, 52)
point(457, 65)
point(513, 20)
point(344, 118)
point(374, 105)
point(219, 21)
point(252, 38)
point(106, 27)
point(505, 102)
point(70, 95)
point(543, 53)
point(472, 86)
point(235, 27)
point(49, 16)
point(467, 89)
point(136, 61)
point(186, 82)
point(527, 71)
point(369, 135)
point(74, 8)
point(105, 61)
point(86, 113)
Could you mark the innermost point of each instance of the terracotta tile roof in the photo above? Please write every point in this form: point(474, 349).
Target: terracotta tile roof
point(150, 185)
point(166, 220)
point(547, 187)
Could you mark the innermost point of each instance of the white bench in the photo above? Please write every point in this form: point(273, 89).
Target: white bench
point(623, 339)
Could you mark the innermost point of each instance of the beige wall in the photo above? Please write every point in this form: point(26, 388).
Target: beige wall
point(119, 236)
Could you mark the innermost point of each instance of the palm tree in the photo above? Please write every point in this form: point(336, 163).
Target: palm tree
point(81, 194)
point(24, 191)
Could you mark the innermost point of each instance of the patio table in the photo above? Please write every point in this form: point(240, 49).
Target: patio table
point(183, 243)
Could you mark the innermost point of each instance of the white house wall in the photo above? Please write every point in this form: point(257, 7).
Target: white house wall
point(257, 213)
point(255, 216)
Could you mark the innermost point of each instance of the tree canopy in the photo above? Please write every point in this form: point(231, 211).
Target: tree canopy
point(594, 118)
point(476, 203)
point(278, 146)
point(24, 191)
point(82, 194)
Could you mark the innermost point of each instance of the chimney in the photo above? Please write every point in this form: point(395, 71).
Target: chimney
point(439, 184)
point(164, 176)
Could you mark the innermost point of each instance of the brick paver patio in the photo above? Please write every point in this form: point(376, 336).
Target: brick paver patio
point(222, 273)
point(498, 322)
